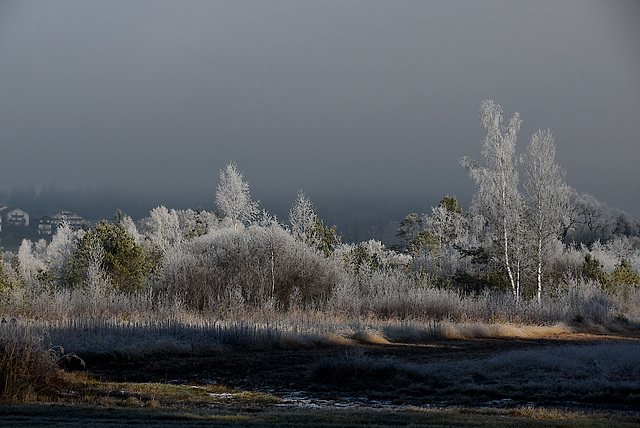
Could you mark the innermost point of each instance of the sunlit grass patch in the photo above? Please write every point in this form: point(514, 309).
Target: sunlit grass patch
point(88, 390)
point(479, 330)
point(339, 340)
point(368, 336)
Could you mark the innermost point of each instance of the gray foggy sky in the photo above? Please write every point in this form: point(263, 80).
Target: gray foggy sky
point(375, 98)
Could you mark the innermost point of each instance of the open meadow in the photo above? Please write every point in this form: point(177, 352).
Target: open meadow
point(245, 373)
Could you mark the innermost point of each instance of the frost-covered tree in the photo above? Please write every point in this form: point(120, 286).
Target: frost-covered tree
point(588, 219)
point(409, 229)
point(96, 277)
point(162, 227)
point(621, 247)
point(233, 197)
point(130, 226)
point(302, 217)
point(249, 267)
point(196, 223)
point(308, 228)
point(447, 226)
point(270, 228)
point(123, 260)
point(363, 259)
point(30, 264)
point(548, 197)
point(8, 280)
point(61, 248)
point(445, 222)
point(498, 199)
point(591, 220)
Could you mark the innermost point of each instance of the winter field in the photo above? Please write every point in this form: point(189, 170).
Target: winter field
point(523, 310)
point(314, 373)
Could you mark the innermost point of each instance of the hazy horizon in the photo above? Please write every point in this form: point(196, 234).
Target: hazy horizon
point(365, 105)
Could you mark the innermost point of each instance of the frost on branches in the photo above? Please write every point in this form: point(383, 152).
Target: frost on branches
point(233, 197)
point(498, 198)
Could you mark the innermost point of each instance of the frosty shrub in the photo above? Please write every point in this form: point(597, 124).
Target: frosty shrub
point(251, 264)
point(392, 294)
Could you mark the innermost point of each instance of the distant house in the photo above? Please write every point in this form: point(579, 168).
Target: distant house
point(74, 220)
point(17, 217)
point(45, 226)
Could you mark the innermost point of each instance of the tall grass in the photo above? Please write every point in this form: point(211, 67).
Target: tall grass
point(28, 367)
point(112, 339)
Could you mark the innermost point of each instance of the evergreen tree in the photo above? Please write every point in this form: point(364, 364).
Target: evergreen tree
point(122, 259)
point(409, 229)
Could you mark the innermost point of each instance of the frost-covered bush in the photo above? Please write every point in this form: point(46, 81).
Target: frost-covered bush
point(250, 265)
point(363, 259)
point(392, 293)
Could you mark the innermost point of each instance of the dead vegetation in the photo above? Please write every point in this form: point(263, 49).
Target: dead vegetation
point(29, 368)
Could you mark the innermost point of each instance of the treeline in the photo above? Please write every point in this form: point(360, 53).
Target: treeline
point(535, 251)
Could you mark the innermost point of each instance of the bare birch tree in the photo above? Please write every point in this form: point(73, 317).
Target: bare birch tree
point(498, 198)
point(548, 196)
